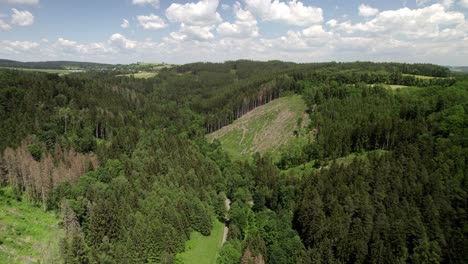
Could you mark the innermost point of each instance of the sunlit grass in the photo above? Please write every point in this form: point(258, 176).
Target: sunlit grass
point(57, 71)
point(203, 249)
point(264, 129)
point(27, 233)
point(140, 75)
point(421, 76)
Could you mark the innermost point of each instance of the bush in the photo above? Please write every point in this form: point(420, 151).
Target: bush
point(36, 151)
point(85, 143)
point(230, 253)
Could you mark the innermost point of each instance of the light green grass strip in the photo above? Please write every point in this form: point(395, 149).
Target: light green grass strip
point(27, 233)
point(422, 76)
point(203, 249)
point(140, 75)
point(61, 72)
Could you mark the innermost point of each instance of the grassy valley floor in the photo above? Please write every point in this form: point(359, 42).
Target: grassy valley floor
point(203, 249)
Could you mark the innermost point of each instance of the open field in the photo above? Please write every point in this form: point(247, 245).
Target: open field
point(60, 72)
point(156, 66)
point(421, 76)
point(27, 233)
point(395, 87)
point(203, 249)
point(141, 75)
point(143, 70)
point(263, 129)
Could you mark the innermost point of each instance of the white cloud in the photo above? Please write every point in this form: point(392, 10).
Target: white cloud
point(428, 34)
point(191, 32)
point(431, 22)
point(4, 25)
point(179, 36)
point(17, 47)
point(292, 41)
point(66, 42)
point(422, 2)
point(122, 42)
point(151, 22)
point(293, 12)
point(154, 3)
point(463, 3)
point(125, 23)
point(367, 11)
point(216, 50)
point(313, 40)
point(244, 26)
point(315, 31)
point(21, 2)
point(446, 3)
point(115, 44)
point(67, 47)
point(21, 18)
point(431, 33)
point(202, 13)
point(197, 20)
point(332, 22)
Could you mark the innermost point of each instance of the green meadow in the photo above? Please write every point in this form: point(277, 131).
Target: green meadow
point(203, 249)
point(27, 233)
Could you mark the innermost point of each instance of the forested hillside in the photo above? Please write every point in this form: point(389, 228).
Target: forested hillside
point(126, 164)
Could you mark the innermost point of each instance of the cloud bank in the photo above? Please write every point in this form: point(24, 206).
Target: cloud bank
point(196, 31)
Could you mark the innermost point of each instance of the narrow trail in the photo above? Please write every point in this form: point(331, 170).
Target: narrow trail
point(227, 202)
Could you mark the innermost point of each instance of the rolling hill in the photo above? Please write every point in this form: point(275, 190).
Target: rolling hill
point(57, 65)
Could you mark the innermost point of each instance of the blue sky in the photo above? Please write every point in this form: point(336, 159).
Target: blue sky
point(125, 31)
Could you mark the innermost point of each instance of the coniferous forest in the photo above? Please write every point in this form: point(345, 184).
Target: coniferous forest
point(125, 163)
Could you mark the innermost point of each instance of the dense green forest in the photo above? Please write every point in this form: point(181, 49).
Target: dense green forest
point(127, 165)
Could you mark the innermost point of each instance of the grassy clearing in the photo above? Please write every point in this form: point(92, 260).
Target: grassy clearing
point(422, 76)
point(144, 70)
point(361, 156)
point(203, 249)
point(140, 75)
point(27, 233)
point(264, 129)
point(156, 66)
point(308, 168)
point(395, 87)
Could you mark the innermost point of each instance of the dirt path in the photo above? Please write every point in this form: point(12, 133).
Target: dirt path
point(226, 228)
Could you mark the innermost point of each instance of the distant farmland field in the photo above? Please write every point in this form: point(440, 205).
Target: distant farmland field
point(57, 71)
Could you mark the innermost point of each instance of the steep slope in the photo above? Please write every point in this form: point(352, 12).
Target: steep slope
point(265, 128)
